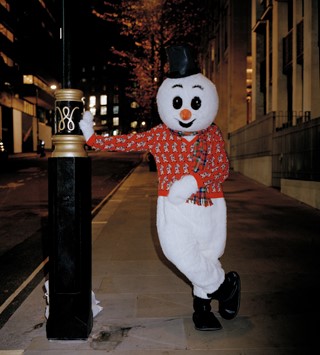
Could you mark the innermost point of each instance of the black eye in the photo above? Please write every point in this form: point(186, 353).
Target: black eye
point(177, 102)
point(196, 103)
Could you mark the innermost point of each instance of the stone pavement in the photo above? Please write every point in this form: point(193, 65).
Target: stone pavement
point(273, 242)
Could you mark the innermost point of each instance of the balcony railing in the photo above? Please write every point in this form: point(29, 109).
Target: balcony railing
point(286, 119)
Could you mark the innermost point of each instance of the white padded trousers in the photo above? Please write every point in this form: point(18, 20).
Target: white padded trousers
point(193, 238)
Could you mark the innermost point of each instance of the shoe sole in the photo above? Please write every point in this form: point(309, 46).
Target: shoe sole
point(206, 325)
point(207, 329)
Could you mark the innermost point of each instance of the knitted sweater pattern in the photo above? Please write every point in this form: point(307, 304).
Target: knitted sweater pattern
point(174, 156)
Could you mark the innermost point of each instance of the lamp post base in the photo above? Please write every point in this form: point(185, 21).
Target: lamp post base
point(70, 308)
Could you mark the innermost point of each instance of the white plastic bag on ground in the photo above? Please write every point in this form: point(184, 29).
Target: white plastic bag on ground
point(95, 303)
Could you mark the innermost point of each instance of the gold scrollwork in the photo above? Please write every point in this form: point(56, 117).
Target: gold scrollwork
point(66, 114)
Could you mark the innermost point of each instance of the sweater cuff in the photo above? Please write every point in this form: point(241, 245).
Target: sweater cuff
point(91, 140)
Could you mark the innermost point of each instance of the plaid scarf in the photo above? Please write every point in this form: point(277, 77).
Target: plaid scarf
point(200, 158)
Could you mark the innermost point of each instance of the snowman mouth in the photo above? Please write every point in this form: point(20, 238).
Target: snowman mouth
point(186, 125)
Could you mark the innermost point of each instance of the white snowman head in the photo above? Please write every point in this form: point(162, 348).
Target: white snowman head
point(187, 101)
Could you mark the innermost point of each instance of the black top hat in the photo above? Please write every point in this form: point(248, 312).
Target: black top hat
point(182, 61)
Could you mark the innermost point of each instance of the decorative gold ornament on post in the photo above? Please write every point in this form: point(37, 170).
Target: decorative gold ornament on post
point(68, 140)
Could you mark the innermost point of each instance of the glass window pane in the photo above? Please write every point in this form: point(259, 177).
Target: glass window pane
point(103, 110)
point(116, 121)
point(92, 101)
point(103, 99)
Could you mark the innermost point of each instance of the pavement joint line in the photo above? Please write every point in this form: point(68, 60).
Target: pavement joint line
point(11, 352)
point(22, 286)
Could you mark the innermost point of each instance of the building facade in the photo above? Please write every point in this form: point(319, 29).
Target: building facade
point(31, 69)
point(27, 71)
point(104, 95)
point(226, 59)
point(267, 75)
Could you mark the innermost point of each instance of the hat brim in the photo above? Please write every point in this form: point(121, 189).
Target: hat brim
point(179, 74)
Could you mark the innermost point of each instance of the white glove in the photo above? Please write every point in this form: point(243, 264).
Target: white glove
point(86, 125)
point(182, 189)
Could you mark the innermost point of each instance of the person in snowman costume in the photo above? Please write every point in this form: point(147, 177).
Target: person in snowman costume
point(192, 165)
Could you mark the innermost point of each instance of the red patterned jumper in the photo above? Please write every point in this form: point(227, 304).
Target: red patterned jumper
point(174, 156)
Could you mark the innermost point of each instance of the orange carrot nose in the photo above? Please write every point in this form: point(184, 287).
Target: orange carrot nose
point(185, 114)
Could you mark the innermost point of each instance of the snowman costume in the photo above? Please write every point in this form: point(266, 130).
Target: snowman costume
point(192, 165)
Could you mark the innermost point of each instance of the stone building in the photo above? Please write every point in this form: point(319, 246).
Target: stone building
point(263, 56)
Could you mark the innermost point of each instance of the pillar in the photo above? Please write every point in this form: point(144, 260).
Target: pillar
point(69, 170)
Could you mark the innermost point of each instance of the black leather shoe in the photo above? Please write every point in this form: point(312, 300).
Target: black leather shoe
point(203, 318)
point(228, 296)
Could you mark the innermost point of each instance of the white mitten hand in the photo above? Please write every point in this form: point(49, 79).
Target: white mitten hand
point(182, 189)
point(86, 125)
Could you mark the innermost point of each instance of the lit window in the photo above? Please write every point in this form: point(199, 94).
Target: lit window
point(92, 101)
point(134, 124)
point(116, 121)
point(28, 79)
point(103, 122)
point(93, 110)
point(115, 110)
point(103, 110)
point(103, 99)
point(116, 99)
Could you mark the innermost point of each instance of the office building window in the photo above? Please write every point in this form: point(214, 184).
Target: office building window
point(28, 79)
point(116, 121)
point(92, 101)
point(103, 110)
point(103, 99)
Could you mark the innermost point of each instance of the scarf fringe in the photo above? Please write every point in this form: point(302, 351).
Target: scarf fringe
point(200, 198)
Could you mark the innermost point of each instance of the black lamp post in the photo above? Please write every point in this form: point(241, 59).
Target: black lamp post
point(70, 314)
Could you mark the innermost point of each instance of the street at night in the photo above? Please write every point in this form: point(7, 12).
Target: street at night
point(24, 214)
point(159, 177)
